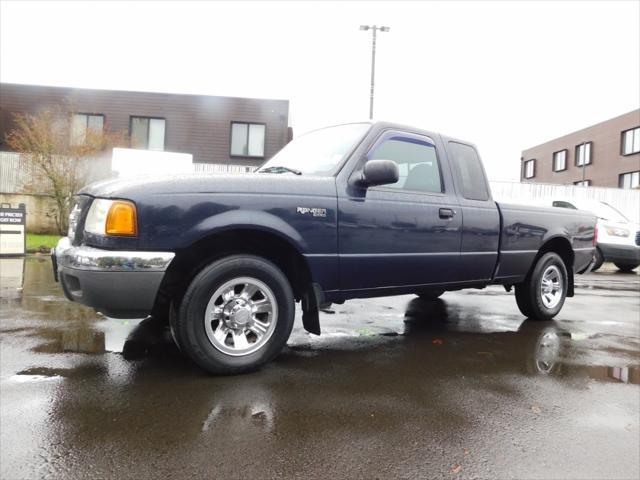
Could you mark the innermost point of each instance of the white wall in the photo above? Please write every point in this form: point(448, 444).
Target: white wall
point(627, 201)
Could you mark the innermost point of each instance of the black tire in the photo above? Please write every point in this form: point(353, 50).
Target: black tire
point(189, 326)
point(430, 294)
point(626, 267)
point(599, 260)
point(529, 292)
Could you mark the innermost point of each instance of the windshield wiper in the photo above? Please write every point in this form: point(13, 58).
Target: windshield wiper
point(280, 169)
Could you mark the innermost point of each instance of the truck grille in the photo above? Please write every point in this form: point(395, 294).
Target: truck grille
point(638, 237)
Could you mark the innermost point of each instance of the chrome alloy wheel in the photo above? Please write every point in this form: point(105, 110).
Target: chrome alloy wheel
point(547, 352)
point(241, 316)
point(551, 287)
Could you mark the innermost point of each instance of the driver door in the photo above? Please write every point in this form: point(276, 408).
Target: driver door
point(404, 234)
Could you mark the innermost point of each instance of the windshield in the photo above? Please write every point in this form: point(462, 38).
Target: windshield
point(607, 212)
point(318, 152)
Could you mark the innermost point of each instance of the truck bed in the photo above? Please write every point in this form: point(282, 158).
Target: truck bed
point(524, 229)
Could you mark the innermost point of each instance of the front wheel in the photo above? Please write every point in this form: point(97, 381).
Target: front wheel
point(542, 294)
point(236, 315)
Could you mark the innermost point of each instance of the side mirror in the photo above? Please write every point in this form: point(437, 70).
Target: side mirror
point(379, 172)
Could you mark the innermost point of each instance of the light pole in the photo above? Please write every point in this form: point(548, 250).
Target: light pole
point(375, 29)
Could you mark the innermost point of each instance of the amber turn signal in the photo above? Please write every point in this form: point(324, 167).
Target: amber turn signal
point(121, 219)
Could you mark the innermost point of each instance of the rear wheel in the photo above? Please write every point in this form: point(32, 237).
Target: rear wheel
point(542, 294)
point(626, 267)
point(430, 294)
point(236, 315)
point(599, 260)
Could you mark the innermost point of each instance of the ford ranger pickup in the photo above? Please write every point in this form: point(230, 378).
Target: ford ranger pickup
point(351, 211)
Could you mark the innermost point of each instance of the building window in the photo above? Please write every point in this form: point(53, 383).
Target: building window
point(147, 133)
point(629, 180)
point(583, 183)
point(529, 169)
point(81, 123)
point(631, 141)
point(560, 161)
point(583, 154)
point(247, 139)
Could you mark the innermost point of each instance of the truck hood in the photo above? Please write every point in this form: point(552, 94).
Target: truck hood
point(254, 183)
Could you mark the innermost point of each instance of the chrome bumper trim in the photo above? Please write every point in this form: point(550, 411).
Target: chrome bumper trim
point(89, 258)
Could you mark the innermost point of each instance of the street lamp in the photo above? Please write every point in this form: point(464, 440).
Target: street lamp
point(375, 29)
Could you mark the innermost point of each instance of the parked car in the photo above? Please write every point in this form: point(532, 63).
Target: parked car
point(351, 211)
point(617, 238)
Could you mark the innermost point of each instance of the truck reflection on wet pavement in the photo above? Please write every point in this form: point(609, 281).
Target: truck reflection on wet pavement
point(458, 387)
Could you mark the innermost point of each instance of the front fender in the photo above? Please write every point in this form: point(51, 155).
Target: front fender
point(239, 219)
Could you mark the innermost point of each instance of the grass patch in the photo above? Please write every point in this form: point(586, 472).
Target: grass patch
point(37, 242)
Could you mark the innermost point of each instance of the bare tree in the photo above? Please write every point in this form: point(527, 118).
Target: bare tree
point(61, 154)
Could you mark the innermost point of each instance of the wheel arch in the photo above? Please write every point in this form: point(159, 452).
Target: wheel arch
point(234, 240)
point(254, 220)
point(562, 247)
point(238, 240)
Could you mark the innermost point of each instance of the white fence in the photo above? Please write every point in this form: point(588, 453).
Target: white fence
point(221, 168)
point(17, 175)
point(627, 201)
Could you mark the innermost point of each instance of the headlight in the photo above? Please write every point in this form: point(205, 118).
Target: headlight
point(111, 217)
point(617, 232)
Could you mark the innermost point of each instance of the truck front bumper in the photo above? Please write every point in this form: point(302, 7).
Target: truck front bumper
point(117, 283)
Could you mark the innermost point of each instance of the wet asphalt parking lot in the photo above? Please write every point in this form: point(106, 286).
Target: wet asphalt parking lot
point(395, 387)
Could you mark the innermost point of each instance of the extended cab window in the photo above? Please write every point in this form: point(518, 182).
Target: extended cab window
point(474, 183)
point(417, 163)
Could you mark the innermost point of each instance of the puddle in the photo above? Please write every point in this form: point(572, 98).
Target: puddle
point(244, 412)
point(463, 372)
point(133, 338)
point(468, 340)
point(23, 378)
point(11, 278)
point(40, 374)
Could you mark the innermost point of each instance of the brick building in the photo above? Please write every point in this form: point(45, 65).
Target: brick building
point(225, 130)
point(603, 155)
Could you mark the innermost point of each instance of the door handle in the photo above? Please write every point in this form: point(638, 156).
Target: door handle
point(446, 213)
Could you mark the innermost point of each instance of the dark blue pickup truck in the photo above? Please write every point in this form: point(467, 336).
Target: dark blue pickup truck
point(352, 211)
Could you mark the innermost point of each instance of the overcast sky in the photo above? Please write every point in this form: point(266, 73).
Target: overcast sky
point(506, 76)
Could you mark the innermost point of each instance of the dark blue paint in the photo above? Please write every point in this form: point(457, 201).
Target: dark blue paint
point(372, 241)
